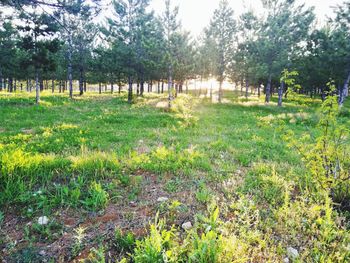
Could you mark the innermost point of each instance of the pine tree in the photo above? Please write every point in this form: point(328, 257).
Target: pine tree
point(222, 29)
point(171, 26)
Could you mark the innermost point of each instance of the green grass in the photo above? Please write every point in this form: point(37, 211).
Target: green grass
point(87, 153)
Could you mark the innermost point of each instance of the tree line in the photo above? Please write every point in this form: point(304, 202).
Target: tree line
point(48, 44)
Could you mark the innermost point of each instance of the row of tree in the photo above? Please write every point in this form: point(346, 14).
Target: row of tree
point(60, 41)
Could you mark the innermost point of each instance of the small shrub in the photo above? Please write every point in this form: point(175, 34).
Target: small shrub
point(79, 235)
point(157, 247)
point(125, 243)
point(45, 233)
point(97, 198)
point(206, 248)
point(203, 194)
point(266, 185)
point(326, 155)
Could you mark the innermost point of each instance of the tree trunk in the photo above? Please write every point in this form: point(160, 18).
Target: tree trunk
point(84, 85)
point(37, 87)
point(130, 90)
point(81, 85)
point(10, 85)
point(112, 87)
point(162, 86)
point(53, 86)
point(41, 84)
point(220, 91)
point(280, 94)
point(70, 74)
point(158, 87)
point(170, 84)
point(119, 87)
point(21, 85)
point(268, 90)
point(15, 85)
point(323, 94)
point(99, 88)
point(176, 90)
point(345, 91)
point(0, 78)
point(246, 88)
point(142, 87)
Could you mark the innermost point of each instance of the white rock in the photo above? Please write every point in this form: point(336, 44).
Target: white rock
point(162, 199)
point(292, 253)
point(286, 260)
point(187, 226)
point(43, 220)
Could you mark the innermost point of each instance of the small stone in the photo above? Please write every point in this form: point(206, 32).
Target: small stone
point(162, 199)
point(286, 260)
point(43, 220)
point(292, 253)
point(187, 226)
point(42, 253)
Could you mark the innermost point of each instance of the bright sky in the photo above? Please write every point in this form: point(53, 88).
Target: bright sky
point(196, 14)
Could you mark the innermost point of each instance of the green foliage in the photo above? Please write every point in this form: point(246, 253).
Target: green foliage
point(288, 77)
point(265, 184)
point(79, 236)
point(96, 165)
point(163, 160)
point(157, 247)
point(44, 233)
point(97, 198)
point(96, 255)
point(2, 217)
point(327, 155)
point(265, 207)
point(206, 248)
point(203, 194)
point(124, 242)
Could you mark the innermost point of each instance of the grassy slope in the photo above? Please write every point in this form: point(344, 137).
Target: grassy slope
point(238, 140)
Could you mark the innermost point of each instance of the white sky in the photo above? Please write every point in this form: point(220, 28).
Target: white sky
point(196, 14)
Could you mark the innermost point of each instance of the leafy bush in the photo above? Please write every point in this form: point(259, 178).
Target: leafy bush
point(327, 155)
point(124, 242)
point(97, 197)
point(265, 184)
point(159, 246)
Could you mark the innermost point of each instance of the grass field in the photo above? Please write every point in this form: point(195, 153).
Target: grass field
point(101, 171)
